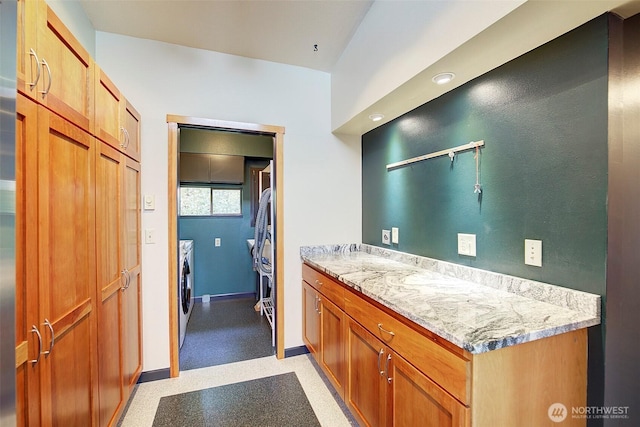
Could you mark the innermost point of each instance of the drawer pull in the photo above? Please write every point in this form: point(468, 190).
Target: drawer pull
point(379, 357)
point(385, 331)
point(319, 283)
point(386, 369)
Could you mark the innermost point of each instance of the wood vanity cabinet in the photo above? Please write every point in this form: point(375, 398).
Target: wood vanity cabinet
point(396, 373)
point(324, 325)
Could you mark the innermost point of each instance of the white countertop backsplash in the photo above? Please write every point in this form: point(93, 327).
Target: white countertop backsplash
point(475, 309)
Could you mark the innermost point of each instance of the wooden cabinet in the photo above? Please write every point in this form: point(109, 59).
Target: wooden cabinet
point(78, 254)
point(117, 122)
point(53, 67)
point(56, 270)
point(392, 372)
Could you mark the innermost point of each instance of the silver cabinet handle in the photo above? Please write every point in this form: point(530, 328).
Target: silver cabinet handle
point(319, 302)
point(128, 278)
point(126, 138)
point(123, 275)
point(385, 331)
point(319, 283)
point(386, 369)
point(315, 303)
point(35, 82)
point(53, 337)
point(379, 357)
point(37, 332)
point(46, 91)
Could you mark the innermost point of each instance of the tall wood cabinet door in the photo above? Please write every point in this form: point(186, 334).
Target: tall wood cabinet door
point(28, 66)
point(416, 400)
point(310, 319)
point(66, 81)
point(130, 120)
point(27, 316)
point(108, 100)
point(67, 275)
point(332, 356)
point(131, 297)
point(111, 279)
point(365, 390)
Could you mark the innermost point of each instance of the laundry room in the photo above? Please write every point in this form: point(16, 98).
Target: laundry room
point(222, 175)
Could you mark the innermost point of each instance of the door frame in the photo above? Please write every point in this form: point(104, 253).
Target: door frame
point(277, 132)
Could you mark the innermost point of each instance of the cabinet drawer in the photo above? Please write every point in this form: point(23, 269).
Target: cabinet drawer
point(328, 287)
point(448, 370)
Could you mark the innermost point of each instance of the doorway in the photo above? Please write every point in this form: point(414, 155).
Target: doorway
point(175, 123)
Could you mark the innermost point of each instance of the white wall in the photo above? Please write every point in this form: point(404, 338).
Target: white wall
point(397, 40)
point(322, 173)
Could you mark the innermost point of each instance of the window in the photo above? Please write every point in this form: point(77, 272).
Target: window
point(204, 201)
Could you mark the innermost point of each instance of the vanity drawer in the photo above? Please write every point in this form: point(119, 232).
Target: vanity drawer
point(447, 369)
point(328, 287)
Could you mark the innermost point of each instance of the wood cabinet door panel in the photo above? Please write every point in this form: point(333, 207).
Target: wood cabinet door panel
point(131, 122)
point(109, 170)
point(131, 215)
point(332, 356)
point(365, 389)
point(67, 79)
point(310, 319)
point(27, 62)
point(418, 401)
point(132, 331)
point(66, 261)
point(107, 113)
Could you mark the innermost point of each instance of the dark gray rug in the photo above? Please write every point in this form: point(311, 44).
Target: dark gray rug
point(225, 331)
point(277, 401)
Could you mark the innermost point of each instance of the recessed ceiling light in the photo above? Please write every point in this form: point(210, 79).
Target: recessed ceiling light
point(443, 78)
point(376, 117)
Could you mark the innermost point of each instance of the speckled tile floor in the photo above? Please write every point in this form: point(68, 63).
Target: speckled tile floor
point(144, 404)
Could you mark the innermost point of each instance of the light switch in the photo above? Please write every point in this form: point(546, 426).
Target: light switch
point(533, 252)
point(467, 244)
point(149, 202)
point(395, 238)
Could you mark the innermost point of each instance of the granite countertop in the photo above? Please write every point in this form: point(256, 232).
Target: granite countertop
point(473, 316)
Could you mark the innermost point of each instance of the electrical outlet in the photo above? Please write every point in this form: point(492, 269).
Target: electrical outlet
point(467, 244)
point(217, 242)
point(386, 237)
point(149, 236)
point(395, 238)
point(533, 252)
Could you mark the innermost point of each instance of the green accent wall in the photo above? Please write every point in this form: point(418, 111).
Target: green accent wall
point(543, 170)
point(226, 269)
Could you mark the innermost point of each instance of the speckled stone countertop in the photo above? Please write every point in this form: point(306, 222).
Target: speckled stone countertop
point(474, 309)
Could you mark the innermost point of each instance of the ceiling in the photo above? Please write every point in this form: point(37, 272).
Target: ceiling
point(273, 30)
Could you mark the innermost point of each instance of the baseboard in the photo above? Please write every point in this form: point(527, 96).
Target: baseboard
point(295, 351)
point(228, 296)
point(158, 374)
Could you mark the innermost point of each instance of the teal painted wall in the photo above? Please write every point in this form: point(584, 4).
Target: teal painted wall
point(543, 171)
point(226, 269)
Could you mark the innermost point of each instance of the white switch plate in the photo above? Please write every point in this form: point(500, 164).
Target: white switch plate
point(217, 242)
point(395, 238)
point(467, 244)
point(149, 236)
point(149, 202)
point(533, 252)
point(386, 237)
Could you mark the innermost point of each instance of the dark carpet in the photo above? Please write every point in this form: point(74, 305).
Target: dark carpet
point(272, 401)
point(225, 331)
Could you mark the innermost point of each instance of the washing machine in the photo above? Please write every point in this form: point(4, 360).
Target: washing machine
point(186, 294)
